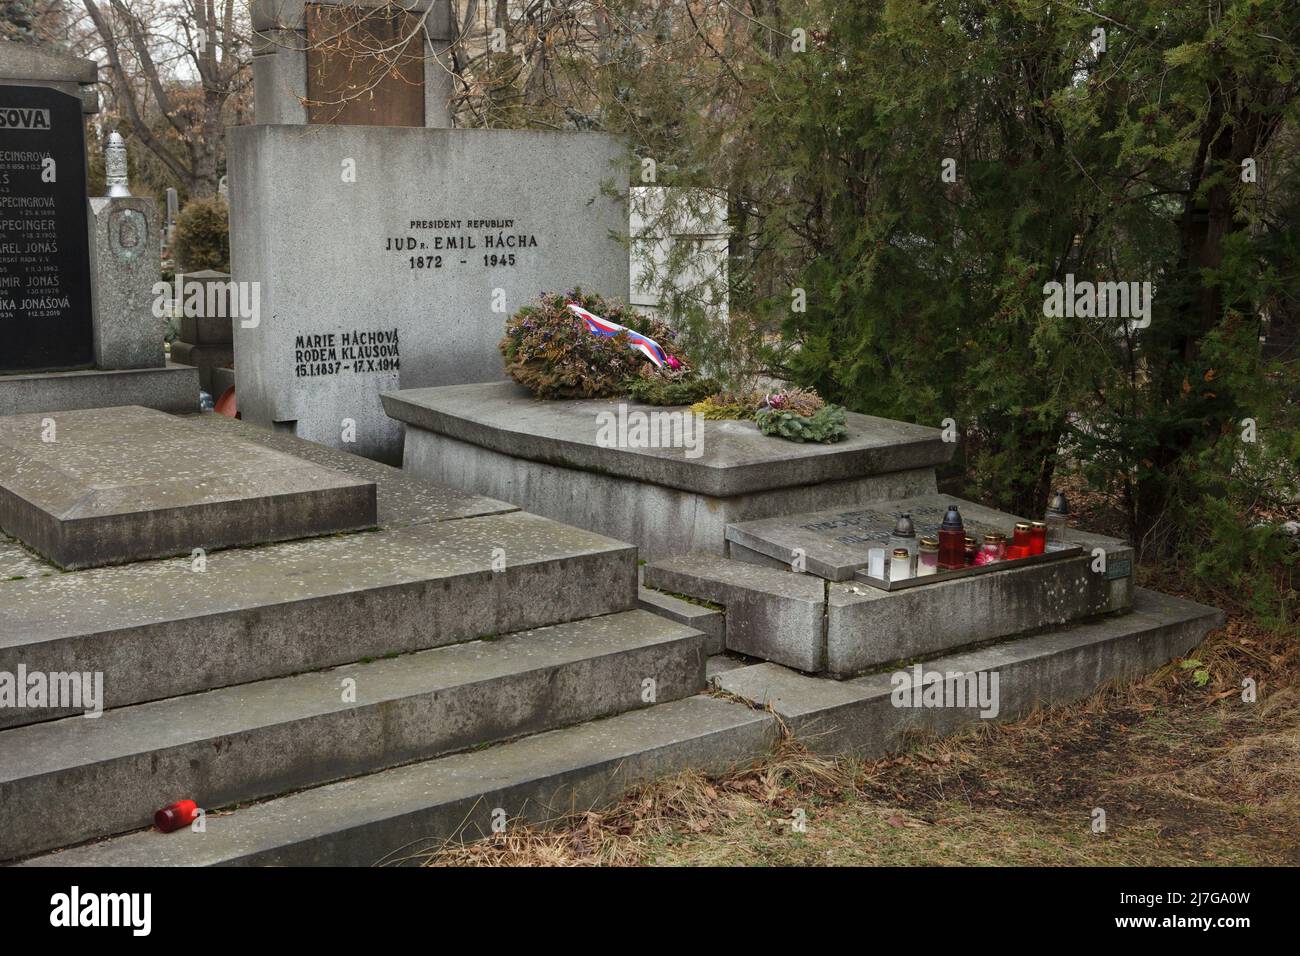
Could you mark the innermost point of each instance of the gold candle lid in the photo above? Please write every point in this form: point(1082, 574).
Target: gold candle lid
point(900, 552)
point(994, 537)
point(929, 544)
point(1022, 525)
point(1038, 524)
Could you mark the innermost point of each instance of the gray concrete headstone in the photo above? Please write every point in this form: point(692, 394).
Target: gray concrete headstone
point(391, 258)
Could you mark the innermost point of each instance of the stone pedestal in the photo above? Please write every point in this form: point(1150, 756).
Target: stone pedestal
point(124, 256)
point(207, 335)
point(551, 457)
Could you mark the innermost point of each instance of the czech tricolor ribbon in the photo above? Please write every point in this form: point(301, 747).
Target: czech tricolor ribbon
point(598, 326)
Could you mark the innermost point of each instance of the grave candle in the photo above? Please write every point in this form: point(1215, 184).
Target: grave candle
point(900, 568)
point(176, 815)
point(904, 536)
point(876, 563)
point(1058, 514)
point(993, 549)
point(1037, 537)
point(952, 541)
point(1021, 538)
point(928, 559)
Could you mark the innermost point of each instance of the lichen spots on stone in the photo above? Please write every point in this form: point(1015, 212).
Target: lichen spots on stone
point(149, 592)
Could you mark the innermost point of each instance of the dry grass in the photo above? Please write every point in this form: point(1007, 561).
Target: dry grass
point(688, 803)
point(1186, 771)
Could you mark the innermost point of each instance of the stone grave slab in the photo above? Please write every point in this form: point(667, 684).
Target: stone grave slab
point(730, 457)
point(567, 461)
point(403, 500)
point(107, 486)
point(833, 544)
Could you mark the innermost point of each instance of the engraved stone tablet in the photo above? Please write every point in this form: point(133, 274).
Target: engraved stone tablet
point(45, 320)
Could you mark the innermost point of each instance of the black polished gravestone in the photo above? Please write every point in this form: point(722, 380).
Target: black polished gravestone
point(45, 320)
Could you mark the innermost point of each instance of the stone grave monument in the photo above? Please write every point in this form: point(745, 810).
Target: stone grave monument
point(173, 210)
point(206, 338)
point(679, 230)
point(388, 252)
point(77, 328)
point(499, 661)
point(556, 458)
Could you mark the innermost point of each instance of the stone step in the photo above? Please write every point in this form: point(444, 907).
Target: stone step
point(394, 814)
point(257, 740)
point(160, 629)
point(706, 620)
point(861, 715)
point(867, 627)
point(772, 614)
point(781, 563)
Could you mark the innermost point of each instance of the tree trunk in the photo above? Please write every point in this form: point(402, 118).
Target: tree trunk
point(1228, 137)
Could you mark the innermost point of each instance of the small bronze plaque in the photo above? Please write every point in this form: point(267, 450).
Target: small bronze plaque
point(365, 66)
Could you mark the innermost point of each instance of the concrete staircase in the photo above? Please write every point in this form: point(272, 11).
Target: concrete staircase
point(360, 698)
point(394, 815)
point(462, 651)
point(851, 668)
point(251, 741)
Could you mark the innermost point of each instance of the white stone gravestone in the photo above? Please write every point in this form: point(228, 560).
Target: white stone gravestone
point(679, 249)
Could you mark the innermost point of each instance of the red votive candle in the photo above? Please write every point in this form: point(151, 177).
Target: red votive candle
point(992, 550)
point(1037, 537)
point(1020, 538)
point(176, 815)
